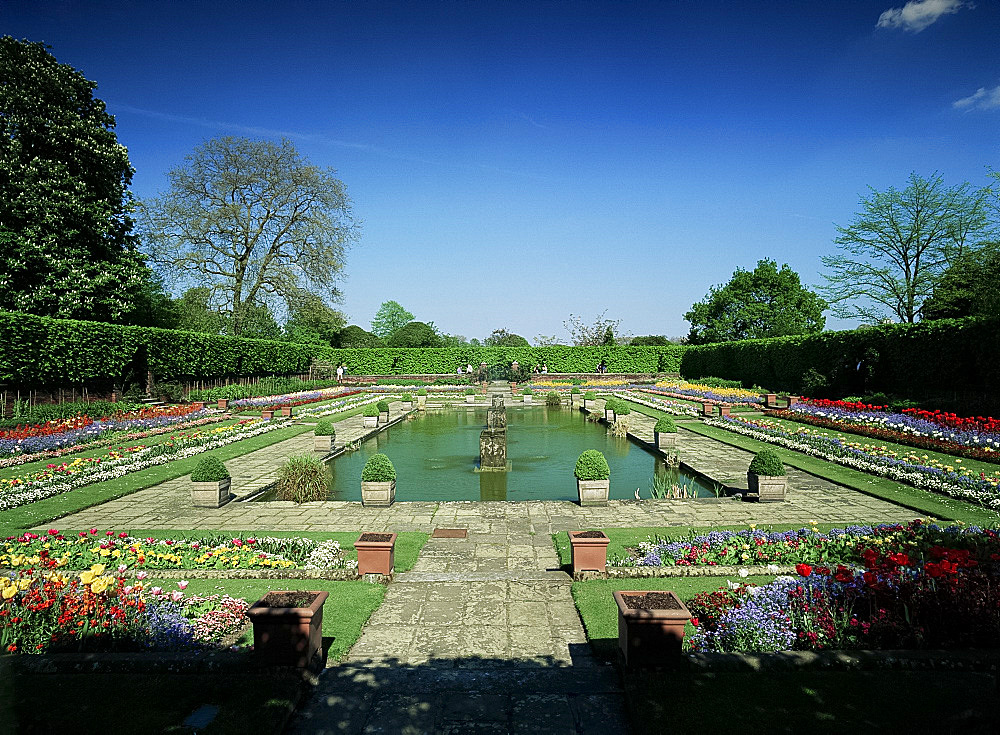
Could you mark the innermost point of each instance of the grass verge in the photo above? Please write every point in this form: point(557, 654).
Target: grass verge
point(922, 502)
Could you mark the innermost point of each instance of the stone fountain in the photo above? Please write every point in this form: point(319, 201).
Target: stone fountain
point(493, 439)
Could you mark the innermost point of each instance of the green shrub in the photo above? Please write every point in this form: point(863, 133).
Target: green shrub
point(378, 468)
point(611, 404)
point(767, 462)
point(574, 390)
point(209, 469)
point(719, 383)
point(421, 391)
point(371, 411)
point(553, 399)
point(591, 465)
point(407, 398)
point(527, 392)
point(470, 391)
point(324, 427)
point(576, 381)
point(302, 479)
point(383, 406)
point(589, 396)
point(665, 425)
point(622, 408)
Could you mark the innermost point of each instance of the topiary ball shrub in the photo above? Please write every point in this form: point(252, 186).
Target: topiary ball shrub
point(591, 465)
point(527, 392)
point(210, 469)
point(324, 427)
point(383, 406)
point(371, 411)
point(622, 408)
point(302, 479)
point(553, 399)
point(470, 391)
point(576, 381)
point(407, 398)
point(575, 390)
point(378, 468)
point(422, 392)
point(767, 463)
point(589, 396)
point(665, 425)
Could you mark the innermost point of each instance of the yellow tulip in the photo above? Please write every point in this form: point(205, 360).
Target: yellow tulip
point(8, 592)
point(98, 569)
point(87, 577)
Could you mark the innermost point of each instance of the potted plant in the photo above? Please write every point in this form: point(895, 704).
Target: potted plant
point(370, 416)
point(592, 478)
point(724, 410)
point(197, 405)
point(210, 483)
point(470, 395)
point(526, 395)
point(552, 399)
point(286, 411)
point(375, 553)
point(223, 403)
point(575, 395)
point(267, 414)
point(611, 409)
point(324, 436)
point(288, 627)
point(422, 398)
point(378, 481)
point(587, 397)
point(589, 551)
point(622, 408)
point(650, 626)
point(792, 400)
point(665, 433)
point(766, 476)
point(383, 411)
point(407, 401)
point(707, 409)
point(770, 400)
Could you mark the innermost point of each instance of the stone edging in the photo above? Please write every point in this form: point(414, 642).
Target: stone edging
point(693, 571)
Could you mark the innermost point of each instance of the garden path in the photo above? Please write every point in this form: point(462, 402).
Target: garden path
point(482, 636)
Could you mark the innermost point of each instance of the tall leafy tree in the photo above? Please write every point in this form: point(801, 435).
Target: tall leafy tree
point(764, 302)
point(603, 331)
point(254, 221)
point(968, 287)
point(415, 334)
point(899, 245)
point(390, 317)
point(68, 248)
point(505, 338)
point(311, 320)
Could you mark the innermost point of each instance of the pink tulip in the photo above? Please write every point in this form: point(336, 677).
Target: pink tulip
point(183, 584)
point(156, 591)
point(176, 595)
point(122, 568)
point(141, 575)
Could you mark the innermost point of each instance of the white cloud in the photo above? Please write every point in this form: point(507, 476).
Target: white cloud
point(918, 14)
point(982, 99)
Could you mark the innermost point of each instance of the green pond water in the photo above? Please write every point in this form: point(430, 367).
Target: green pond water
point(436, 456)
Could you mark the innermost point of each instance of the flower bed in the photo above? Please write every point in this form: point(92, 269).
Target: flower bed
point(983, 424)
point(919, 471)
point(81, 430)
point(944, 599)
point(302, 398)
point(697, 392)
point(216, 552)
point(756, 547)
point(82, 471)
point(652, 401)
point(903, 428)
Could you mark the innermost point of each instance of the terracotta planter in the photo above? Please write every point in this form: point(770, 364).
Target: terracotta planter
point(665, 440)
point(792, 400)
point(707, 409)
point(223, 403)
point(724, 410)
point(198, 405)
point(767, 487)
point(653, 636)
point(286, 411)
point(770, 400)
point(589, 551)
point(370, 422)
point(378, 494)
point(375, 553)
point(288, 636)
point(267, 415)
point(323, 443)
point(211, 494)
point(593, 492)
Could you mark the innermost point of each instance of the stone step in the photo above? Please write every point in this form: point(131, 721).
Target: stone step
point(513, 575)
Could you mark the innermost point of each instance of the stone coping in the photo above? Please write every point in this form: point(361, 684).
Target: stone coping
point(986, 659)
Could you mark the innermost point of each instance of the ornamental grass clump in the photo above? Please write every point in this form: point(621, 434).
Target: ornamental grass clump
point(553, 399)
point(378, 468)
point(303, 479)
point(665, 425)
point(767, 463)
point(324, 427)
point(591, 465)
point(210, 469)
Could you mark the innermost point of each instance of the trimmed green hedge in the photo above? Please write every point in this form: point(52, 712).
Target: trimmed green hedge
point(914, 360)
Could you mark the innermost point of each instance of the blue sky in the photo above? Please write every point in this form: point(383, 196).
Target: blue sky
point(514, 163)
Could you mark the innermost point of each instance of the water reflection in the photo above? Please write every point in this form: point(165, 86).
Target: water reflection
point(493, 485)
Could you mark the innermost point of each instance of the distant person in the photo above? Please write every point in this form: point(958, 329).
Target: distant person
point(340, 373)
point(536, 369)
point(468, 369)
point(545, 368)
point(459, 371)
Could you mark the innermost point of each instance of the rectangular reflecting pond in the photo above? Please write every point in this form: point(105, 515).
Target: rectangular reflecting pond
point(436, 456)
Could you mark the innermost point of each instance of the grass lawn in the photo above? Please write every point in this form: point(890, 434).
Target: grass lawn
point(922, 502)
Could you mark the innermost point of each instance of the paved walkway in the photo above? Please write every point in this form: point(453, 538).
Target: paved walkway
point(481, 637)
